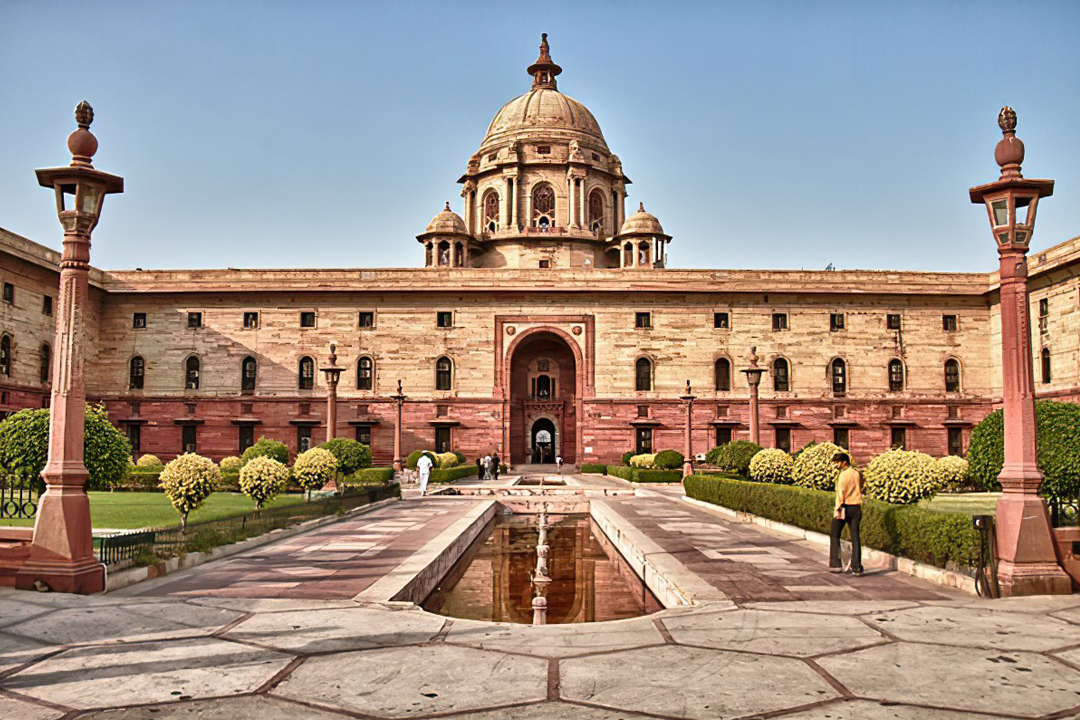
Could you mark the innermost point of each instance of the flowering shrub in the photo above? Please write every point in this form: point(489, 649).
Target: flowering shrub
point(643, 461)
point(668, 460)
point(262, 479)
point(230, 464)
point(814, 466)
point(900, 477)
point(950, 472)
point(149, 461)
point(446, 460)
point(771, 465)
point(187, 481)
point(265, 447)
point(735, 456)
point(314, 468)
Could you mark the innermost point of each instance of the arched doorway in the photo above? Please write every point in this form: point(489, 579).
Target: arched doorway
point(543, 447)
point(543, 392)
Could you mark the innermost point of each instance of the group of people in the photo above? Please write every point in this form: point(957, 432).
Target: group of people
point(487, 467)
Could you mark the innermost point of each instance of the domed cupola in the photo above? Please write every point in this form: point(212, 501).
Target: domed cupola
point(447, 241)
point(641, 241)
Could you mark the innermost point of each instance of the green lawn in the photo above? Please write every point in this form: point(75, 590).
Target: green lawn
point(980, 503)
point(145, 509)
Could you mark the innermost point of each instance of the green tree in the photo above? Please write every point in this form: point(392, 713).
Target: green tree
point(351, 454)
point(314, 468)
point(24, 445)
point(266, 447)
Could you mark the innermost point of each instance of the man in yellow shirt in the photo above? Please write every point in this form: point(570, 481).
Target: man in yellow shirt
point(848, 511)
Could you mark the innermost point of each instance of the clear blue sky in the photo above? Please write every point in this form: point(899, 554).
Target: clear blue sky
point(323, 134)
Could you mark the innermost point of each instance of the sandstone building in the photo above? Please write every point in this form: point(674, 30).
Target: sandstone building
point(544, 320)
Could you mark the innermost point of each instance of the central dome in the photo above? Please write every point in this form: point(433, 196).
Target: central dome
point(543, 109)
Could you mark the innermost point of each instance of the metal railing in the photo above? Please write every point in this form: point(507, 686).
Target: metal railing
point(1064, 512)
point(127, 547)
point(19, 494)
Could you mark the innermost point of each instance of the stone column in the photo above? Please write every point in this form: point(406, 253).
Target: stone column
point(333, 375)
point(753, 378)
point(399, 399)
point(688, 458)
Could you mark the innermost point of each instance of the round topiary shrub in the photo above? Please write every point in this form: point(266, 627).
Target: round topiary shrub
point(265, 447)
point(230, 464)
point(262, 479)
point(149, 462)
point(446, 460)
point(459, 455)
point(735, 456)
point(669, 460)
point(351, 455)
point(1057, 426)
point(314, 468)
point(626, 457)
point(950, 473)
point(771, 466)
point(645, 461)
point(187, 481)
point(410, 461)
point(713, 456)
point(24, 446)
point(814, 468)
point(900, 476)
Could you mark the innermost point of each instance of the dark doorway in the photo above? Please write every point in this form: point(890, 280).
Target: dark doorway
point(543, 441)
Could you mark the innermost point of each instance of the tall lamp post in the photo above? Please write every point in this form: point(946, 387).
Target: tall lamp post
point(1028, 564)
point(333, 374)
point(62, 552)
point(753, 377)
point(398, 398)
point(688, 461)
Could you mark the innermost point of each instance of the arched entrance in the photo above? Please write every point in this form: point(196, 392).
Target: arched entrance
point(544, 446)
point(542, 393)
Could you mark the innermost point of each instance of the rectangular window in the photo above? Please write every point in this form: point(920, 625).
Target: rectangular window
point(783, 439)
point(643, 411)
point(247, 438)
point(949, 323)
point(779, 321)
point(442, 439)
point(442, 410)
point(956, 441)
point(1044, 316)
point(363, 434)
point(194, 319)
point(643, 320)
point(1044, 307)
point(134, 436)
point(643, 440)
point(721, 410)
point(251, 320)
point(367, 319)
point(46, 305)
point(898, 441)
point(836, 322)
point(840, 436)
point(307, 319)
point(543, 149)
point(444, 319)
point(892, 322)
point(9, 293)
point(723, 435)
point(545, 264)
point(303, 438)
point(721, 321)
point(138, 321)
point(781, 411)
point(188, 438)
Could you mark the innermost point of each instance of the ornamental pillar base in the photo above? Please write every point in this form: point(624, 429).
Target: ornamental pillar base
point(62, 552)
point(1028, 562)
point(687, 469)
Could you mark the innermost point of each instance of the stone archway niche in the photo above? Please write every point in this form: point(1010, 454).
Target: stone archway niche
point(543, 390)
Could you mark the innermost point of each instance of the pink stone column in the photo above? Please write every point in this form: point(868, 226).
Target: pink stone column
point(399, 399)
point(753, 378)
point(333, 375)
point(688, 459)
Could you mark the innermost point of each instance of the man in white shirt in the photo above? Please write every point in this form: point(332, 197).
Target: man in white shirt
point(423, 466)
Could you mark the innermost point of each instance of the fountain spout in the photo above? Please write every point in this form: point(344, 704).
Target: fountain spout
point(540, 579)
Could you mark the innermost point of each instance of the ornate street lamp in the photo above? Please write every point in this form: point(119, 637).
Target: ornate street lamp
point(1028, 564)
point(399, 399)
point(333, 374)
point(62, 552)
point(753, 378)
point(688, 461)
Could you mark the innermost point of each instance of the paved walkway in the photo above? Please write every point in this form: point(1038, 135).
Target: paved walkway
point(248, 638)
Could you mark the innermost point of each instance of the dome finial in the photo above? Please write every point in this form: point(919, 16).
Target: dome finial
point(544, 69)
point(447, 208)
point(641, 207)
point(1009, 152)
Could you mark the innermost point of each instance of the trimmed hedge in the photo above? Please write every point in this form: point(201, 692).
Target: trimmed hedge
point(644, 475)
point(626, 456)
point(936, 538)
point(370, 476)
point(669, 460)
point(451, 474)
point(593, 468)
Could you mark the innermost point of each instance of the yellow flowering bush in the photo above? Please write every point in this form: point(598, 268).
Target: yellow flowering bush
point(950, 472)
point(814, 467)
point(771, 465)
point(230, 464)
point(900, 477)
point(646, 461)
point(446, 460)
point(187, 481)
point(262, 479)
point(149, 461)
point(314, 468)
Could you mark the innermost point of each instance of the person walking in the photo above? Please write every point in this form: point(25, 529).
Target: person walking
point(558, 462)
point(487, 468)
point(423, 467)
point(495, 464)
point(479, 468)
point(847, 511)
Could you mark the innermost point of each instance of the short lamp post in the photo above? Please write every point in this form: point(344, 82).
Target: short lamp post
point(753, 378)
point(688, 461)
point(333, 375)
point(61, 555)
point(399, 399)
point(1028, 563)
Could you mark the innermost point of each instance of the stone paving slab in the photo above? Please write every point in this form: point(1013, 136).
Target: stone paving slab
point(869, 710)
point(977, 628)
point(551, 711)
point(556, 640)
point(251, 707)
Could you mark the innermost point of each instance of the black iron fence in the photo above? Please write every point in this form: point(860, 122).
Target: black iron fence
point(1064, 512)
point(150, 543)
point(19, 493)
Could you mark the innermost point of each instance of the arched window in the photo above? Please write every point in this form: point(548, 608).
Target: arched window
point(459, 255)
point(952, 375)
point(365, 374)
point(307, 373)
point(191, 373)
point(781, 381)
point(444, 254)
point(896, 375)
point(136, 373)
point(1045, 357)
point(722, 372)
point(596, 211)
point(543, 387)
point(5, 355)
point(644, 258)
point(491, 211)
point(643, 374)
point(543, 206)
point(249, 370)
point(628, 255)
point(838, 375)
point(46, 363)
point(444, 374)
